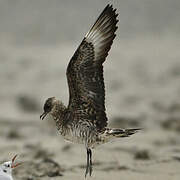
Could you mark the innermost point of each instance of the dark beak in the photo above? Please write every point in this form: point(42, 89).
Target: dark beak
point(13, 164)
point(43, 115)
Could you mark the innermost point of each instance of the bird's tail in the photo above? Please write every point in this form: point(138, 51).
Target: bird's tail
point(111, 134)
point(118, 133)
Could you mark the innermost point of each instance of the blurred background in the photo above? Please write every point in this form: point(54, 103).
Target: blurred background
point(142, 78)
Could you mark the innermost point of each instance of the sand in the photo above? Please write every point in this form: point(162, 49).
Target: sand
point(142, 90)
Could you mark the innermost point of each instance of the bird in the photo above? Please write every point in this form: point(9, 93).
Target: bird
point(84, 120)
point(6, 169)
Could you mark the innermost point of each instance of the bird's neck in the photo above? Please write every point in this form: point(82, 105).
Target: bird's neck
point(6, 175)
point(59, 112)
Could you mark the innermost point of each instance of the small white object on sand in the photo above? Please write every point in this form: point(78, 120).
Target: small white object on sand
point(6, 169)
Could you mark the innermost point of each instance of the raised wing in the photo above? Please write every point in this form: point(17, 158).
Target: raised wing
point(85, 70)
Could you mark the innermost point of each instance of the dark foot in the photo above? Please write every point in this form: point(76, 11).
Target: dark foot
point(89, 163)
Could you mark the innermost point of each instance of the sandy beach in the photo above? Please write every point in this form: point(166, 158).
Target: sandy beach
point(142, 74)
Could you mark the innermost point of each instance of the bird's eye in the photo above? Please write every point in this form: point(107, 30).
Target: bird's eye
point(47, 107)
point(8, 165)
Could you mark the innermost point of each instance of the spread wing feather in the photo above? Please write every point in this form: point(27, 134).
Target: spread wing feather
point(85, 70)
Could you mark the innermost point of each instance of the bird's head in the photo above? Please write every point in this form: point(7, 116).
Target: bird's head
point(48, 106)
point(7, 167)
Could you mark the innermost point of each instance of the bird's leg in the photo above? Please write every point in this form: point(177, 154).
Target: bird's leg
point(90, 168)
point(87, 165)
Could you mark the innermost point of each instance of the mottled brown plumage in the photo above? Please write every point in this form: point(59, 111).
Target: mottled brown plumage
point(84, 120)
point(85, 70)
